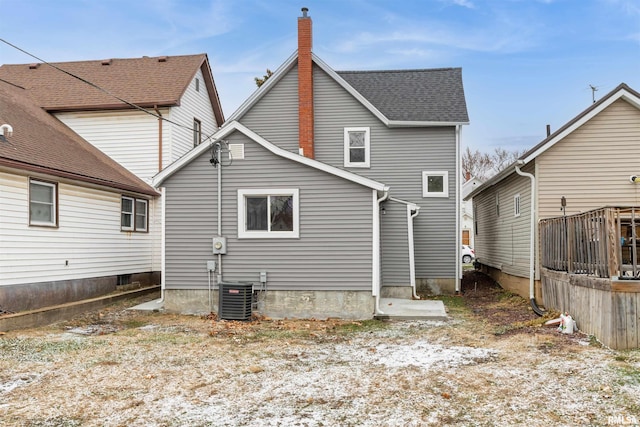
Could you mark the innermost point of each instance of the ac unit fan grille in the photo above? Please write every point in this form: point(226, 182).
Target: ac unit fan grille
point(235, 301)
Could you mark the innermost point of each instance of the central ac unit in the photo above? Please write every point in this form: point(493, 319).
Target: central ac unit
point(235, 300)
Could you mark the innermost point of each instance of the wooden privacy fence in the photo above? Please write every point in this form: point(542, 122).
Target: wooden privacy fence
point(602, 242)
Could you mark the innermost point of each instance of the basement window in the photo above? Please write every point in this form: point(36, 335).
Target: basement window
point(268, 213)
point(356, 147)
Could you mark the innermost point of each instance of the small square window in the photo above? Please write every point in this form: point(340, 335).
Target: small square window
point(268, 213)
point(356, 147)
point(43, 203)
point(435, 184)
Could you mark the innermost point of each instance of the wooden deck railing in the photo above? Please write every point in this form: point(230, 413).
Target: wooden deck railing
point(602, 242)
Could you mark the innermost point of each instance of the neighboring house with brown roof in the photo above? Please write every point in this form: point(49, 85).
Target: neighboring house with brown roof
point(588, 162)
point(180, 89)
point(73, 222)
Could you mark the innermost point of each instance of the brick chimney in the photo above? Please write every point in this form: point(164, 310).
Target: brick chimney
point(305, 85)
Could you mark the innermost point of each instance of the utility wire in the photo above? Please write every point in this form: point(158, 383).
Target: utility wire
point(131, 104)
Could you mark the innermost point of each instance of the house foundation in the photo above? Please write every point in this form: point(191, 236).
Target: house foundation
point(32, 296)
point(279, 304)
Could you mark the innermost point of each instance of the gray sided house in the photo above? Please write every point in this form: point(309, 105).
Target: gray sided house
point(371, 160)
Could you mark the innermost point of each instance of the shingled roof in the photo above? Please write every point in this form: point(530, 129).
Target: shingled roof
point(427, 95)
point(41, 143)
point(147, 82)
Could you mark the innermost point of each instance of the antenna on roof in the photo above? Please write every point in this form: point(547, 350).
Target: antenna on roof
point(593, 93)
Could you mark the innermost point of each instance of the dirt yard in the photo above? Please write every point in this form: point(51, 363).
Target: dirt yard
point(492, 364)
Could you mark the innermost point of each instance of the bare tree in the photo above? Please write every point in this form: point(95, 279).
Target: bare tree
point(483, 166)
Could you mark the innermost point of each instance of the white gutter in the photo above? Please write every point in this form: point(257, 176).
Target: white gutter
point(375, 282)
point(532, 238)
point(458, 202)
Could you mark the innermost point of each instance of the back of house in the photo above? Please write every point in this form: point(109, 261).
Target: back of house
point(369, 163)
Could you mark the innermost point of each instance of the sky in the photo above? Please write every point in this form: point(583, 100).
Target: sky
point(525, 64)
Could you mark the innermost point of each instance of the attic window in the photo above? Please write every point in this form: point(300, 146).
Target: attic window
point(106, 62)
point(197, 84)
point(162, 59)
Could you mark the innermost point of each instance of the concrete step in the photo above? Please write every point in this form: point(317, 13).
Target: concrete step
point(407, 309)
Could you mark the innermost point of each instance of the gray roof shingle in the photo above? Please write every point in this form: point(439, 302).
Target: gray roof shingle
point(428, 95)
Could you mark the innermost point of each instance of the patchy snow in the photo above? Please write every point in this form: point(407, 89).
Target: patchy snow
point(174, 372)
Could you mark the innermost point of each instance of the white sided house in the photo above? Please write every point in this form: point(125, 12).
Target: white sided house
point(73, 223)
point(584, 165)
point(326, 190)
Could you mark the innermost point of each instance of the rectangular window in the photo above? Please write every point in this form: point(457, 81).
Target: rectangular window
point(43, 203)
point(356, 147)
point(197, 132)
point(268, 213)
point(435, 184)
point(134, 214)
point(197, 84)
point(516, 205)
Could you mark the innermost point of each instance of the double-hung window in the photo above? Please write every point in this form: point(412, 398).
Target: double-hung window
point(134, 214)
point(43, 203)
point(435, 184)
point(268, 213)
point(356, 147)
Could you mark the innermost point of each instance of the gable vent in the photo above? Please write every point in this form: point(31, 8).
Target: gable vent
point(236, 151)
point(162, 58)
point(106, 62)
point(33, 66)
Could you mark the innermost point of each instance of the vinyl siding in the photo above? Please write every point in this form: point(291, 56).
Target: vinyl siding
point(398, 157)
point(334, 251)
point(592, 165)
point(88, 236)
point(192, 105)
point(128, 137)
point(395, 245)
point(502, 241)
point(275, 116)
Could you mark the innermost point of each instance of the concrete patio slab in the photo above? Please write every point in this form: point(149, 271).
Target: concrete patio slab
point(406, 309)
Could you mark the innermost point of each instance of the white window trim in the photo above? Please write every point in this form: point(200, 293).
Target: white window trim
point(242, 223)
point(146, 215)
point(367, 148)
point(516, 205)
point(132, 213)
point(54, 211)
point(445, 186)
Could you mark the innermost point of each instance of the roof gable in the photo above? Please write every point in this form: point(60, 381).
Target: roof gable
point(232, 126)
point(41, 143)
point(396, 98)
point(623, 91)
point(146, 82)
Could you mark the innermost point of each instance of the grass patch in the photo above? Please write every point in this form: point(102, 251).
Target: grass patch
point(628, 375)
point(36, 349)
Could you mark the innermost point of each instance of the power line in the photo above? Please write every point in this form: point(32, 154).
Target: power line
point(131, 104)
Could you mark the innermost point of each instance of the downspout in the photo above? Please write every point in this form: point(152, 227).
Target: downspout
point(412, 212)
point(155, 107)
point(163, 240)
point(458, 202)
point(376, 248)
point(532, 236)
